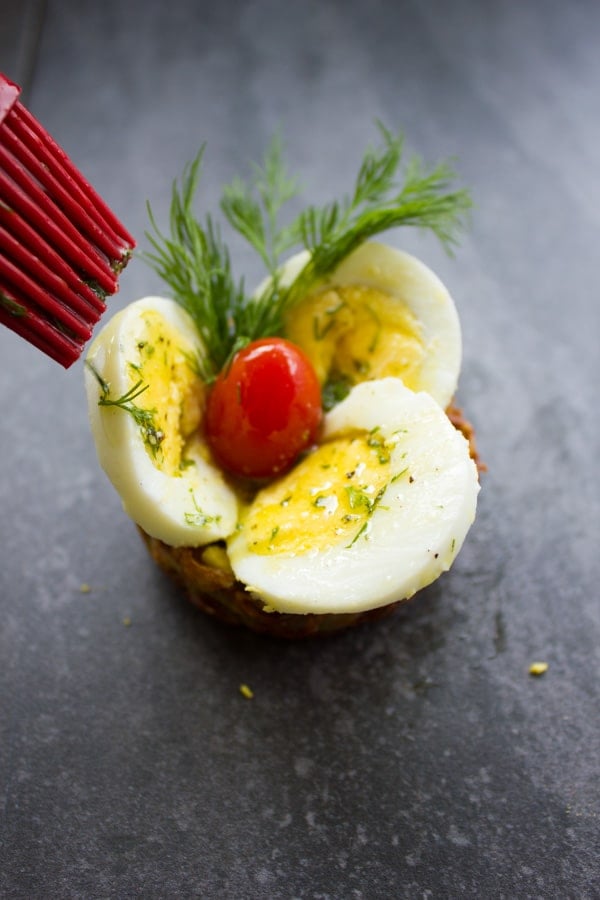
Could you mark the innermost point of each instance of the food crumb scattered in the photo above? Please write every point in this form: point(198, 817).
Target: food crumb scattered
point(127, 621)
point(538, 668)
point(246, 691)
point(85, 588)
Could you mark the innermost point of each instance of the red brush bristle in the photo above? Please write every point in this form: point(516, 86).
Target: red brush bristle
point(25, 198)
point(61, 247)
point(40, 332)
point(39, 255)
point(49, 298)
point(56, 172)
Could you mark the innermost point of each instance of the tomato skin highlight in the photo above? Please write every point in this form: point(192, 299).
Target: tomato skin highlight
point(264, 409)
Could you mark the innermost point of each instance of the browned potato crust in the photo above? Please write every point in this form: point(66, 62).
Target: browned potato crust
point(220, 595)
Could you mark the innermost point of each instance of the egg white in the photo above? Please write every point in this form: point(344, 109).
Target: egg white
point(421, 521)
point(405, 279)
point(413, 535)
point(193, 507)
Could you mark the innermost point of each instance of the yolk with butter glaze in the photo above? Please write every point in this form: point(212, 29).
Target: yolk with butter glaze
point(357, 332)
point(173, 392)
point(325, 500)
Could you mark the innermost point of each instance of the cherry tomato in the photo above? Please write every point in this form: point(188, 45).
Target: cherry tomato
point(263, 409)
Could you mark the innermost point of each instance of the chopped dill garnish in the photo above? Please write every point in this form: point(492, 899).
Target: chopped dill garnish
point(11, 306)
point(358, 498)
point(362, 530)
point(334, 390)
point(198, 518)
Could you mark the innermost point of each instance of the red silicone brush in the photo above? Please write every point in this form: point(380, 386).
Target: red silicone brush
point(61, 248)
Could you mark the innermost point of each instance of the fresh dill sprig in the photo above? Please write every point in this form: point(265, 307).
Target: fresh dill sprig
point(144, 418)
point(381, 200)
point(253, 207)
point(195, 262)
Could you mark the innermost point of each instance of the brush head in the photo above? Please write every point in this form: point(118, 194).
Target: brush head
point(61, 248)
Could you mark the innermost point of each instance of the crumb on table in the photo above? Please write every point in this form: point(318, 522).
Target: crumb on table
point(538, 668)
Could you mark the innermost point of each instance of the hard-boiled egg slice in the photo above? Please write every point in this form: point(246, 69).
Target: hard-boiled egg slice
point(145, 405)
point(381, 313)
point(379, 510)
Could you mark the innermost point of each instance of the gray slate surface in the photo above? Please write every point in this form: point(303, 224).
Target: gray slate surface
point(414, 758)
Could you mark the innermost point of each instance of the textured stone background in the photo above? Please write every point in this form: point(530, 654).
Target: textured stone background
point(414, 758)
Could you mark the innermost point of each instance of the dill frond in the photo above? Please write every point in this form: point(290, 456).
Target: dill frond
point(195, 263)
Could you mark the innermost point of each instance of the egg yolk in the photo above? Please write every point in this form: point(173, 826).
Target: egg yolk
point(172, 398)
point(357, 333)
point(327, 499)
